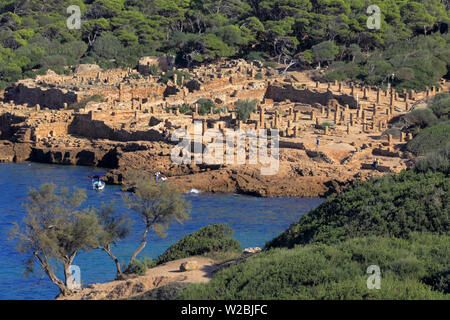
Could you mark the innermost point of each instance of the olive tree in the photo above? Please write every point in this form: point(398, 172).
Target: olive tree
point(54, 230)
point(158, 205)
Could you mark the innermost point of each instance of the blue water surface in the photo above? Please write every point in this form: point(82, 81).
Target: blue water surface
point(254, 220)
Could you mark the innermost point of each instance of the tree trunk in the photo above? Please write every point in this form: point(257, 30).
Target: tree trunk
point(67, 272)
point(107, 249)
point(53, 278)
point(142, 246)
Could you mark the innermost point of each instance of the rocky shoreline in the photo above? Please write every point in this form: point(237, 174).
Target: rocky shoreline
point(316, 177)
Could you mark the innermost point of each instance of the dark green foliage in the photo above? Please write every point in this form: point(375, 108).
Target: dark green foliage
point(256, 55)
point(420, 118)
point(337, 271)
point(170, 75)
point(391, 205)
point(140, 267)
point(435, 161)
point(205, 105)
point(440, 106)
point(245, 108)
point(115, 33)
point(270, 64)
point(209, 239)
point(183, 108)
point(430, 139)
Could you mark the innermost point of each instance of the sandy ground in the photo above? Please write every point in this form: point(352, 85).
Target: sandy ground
point(154, 278)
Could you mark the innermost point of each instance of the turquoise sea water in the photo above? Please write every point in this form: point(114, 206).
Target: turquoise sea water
point(254, 220)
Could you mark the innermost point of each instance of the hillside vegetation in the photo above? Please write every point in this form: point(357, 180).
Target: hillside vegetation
point(398, 223)
point(431, 126)
point(416, 268)
point(412, 41)
point(393, 205)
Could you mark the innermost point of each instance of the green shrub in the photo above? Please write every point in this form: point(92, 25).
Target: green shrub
point(256, 55)
point(258, 76)
point(245, 108)
point(430, 139)
point(270, 64)
point(209, 239)
point(394, 205)
point(336, 271)
point(420, 118)
point(325, 124)
point(169, 75)
point(140, 267)
point(435, 161)
point(205, 105)
point(440, 106)
point(154, 69)
point(182, 107)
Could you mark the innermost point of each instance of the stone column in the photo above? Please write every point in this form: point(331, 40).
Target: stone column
point(402, 136)
point(295, 132)
point(120, 92)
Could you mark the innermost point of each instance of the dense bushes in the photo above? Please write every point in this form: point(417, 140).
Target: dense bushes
point(416, 268)
point(140, 267)
point(436, 124)
point(441, 106)
point(391, 205)
point(115, 33)
point(430, 139)
point(209, 239)
point(420, 118)
point(435, 161)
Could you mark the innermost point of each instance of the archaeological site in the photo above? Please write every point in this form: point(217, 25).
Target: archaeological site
point(122, 120)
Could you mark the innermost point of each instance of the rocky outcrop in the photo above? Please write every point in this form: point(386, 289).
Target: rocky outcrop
point(189, 266)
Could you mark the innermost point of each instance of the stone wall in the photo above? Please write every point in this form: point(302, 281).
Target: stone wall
point(48, 98)
point(280, 93)
point(96, 129)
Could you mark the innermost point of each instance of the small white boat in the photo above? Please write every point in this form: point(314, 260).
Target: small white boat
point(194, 191)
point(98, 185)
